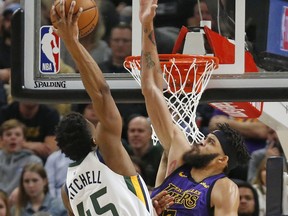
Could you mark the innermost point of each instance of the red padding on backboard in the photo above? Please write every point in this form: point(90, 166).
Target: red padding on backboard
point(224, 50)
point(180, 40)
point(240, 109)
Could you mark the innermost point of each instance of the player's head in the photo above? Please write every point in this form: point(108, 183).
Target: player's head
point(225, 145)
point(233, 146)
point(74, 136)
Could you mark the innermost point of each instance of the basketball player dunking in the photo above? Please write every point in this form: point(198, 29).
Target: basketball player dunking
point(103, 179)
point(194, 176)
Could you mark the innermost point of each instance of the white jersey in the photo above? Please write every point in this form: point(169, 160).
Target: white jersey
point(94, 189)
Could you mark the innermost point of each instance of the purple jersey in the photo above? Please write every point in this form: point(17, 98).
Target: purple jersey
point(190, 197)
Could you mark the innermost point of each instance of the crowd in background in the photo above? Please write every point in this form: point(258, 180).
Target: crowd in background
point(33, 170)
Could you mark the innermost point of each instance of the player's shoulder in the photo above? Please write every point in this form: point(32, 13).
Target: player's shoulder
point(228, 203)
point(227, 180)
point(225, 186)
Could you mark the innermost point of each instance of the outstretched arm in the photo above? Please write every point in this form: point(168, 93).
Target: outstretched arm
point(108, 133)
point(151, 83)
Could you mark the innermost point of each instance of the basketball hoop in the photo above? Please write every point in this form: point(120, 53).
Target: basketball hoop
point(186, 77)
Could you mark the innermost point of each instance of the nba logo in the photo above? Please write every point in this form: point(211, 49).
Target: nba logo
point(284, 30)
point(49, 60)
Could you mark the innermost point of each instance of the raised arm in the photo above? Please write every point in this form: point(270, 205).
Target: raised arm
point(170, 136)
point(108, 131)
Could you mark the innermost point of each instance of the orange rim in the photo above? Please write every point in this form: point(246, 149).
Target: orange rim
point(181, 60)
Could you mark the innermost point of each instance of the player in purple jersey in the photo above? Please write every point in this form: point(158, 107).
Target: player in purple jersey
point(195, 176)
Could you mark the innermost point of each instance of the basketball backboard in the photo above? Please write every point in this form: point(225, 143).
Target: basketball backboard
point(228, 83)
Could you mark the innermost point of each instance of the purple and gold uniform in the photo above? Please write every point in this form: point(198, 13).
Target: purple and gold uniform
point(190, 197)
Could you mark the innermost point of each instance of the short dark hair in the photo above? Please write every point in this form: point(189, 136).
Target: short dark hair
point(121, 26)
point(244, 184)
point(74, 137)
point(232, 143)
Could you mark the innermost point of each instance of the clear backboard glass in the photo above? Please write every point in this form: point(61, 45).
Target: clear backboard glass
point(34, 77)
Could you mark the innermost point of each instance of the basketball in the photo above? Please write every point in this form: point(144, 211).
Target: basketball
point(88, 18)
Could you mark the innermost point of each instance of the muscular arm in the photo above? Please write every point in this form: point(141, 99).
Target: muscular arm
point(225, 198)
point(109, 128)
point(170, 136)
point(249, 129)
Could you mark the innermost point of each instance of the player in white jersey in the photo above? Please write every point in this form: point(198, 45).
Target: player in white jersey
point(104, 191)
point(97, 184)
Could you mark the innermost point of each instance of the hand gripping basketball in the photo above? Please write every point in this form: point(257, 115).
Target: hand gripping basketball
point(88, 18)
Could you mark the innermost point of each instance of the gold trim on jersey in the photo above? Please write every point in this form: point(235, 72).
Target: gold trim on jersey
point(134, 184)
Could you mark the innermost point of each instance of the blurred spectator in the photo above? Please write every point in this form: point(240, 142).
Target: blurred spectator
point(139, 139)
point(259, 183)
point(125, 14)
point(165, 35)
point(204, 113)
point(12, 155)
point(2, 3)
point(127, 110)
point(249, 205)
point(273, 148)
point(62, 108)
point(11, 1)
point(88, 112)
point(253, 14)
point(56, 167)
point(95, 45)
point(213, 11)
point(45, 12)
point(120, 42)
point(121, 2)
point(168, 14)
point(40, 121)
point(110, 16)
point(168, 21)
point(4, 204)
point(200, 12)
point(5, 51)
point(33, 195)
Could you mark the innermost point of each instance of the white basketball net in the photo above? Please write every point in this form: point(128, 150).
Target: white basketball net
point(182, 103)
